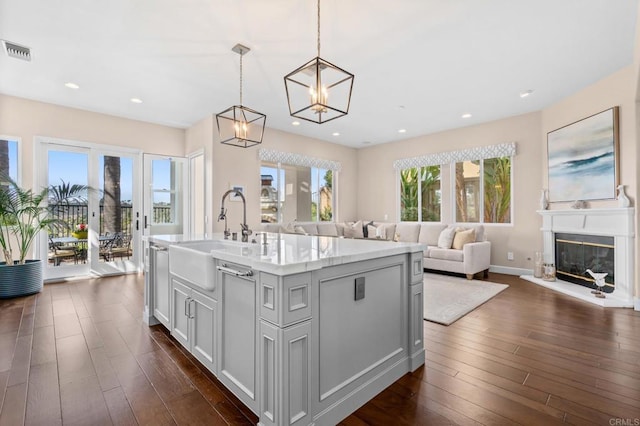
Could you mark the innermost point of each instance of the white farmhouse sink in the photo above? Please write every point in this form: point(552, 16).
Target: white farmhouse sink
point(193, 262)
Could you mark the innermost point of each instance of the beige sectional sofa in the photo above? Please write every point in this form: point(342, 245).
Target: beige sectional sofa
point(461, 249)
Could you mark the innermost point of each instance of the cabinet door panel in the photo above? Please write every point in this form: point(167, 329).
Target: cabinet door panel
point(161, 293)
point(203, 313)
point(237, 362)
point(179, 318)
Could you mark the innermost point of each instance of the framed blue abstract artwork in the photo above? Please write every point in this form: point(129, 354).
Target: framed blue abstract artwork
point(583, 158)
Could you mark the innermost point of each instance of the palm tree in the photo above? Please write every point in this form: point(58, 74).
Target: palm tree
point(4, 158)
point(409, 194)
point(112, 200)
point(66, 197)
point(497, 190)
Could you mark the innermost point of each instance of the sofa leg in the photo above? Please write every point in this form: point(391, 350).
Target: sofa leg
point(469, 276)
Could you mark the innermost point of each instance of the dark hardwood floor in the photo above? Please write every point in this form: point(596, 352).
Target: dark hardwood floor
point(78, 353)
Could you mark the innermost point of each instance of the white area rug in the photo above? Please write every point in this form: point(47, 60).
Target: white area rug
point(447, 299)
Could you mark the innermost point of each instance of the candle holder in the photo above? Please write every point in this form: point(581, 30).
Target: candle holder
point(537, 265)
point(549, 272)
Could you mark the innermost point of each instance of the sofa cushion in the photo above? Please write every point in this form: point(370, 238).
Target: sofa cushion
point(407, 232)
point(310, 228)
point(480, 236)
point(292, 228)
point(386, 231)
point(353, 230)
point(445, 239)
point(446, 254)
point(327, 229)
point(429, 233)
point(365, 228)
point(462, 237)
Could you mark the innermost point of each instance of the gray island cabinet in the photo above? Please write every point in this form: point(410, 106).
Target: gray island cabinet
point(303, 329)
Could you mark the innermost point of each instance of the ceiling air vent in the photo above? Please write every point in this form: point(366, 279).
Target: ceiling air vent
point(16, 51)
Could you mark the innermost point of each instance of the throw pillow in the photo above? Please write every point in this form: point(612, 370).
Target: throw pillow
point(365, 229)
point(353, 230)
point(445, 240)
point(462, 237)
point(292, 228)
point(372, 232)
point(288, 229)
point(299, 230)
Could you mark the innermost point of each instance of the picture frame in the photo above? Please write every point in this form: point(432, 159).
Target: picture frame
point(583, 158)
point(233, 196)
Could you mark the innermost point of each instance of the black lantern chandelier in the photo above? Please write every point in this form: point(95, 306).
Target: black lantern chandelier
point(238, 125)
point(319, 91)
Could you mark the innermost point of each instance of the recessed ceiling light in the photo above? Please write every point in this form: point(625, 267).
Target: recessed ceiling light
point(402, 131)
point(336, 134)
point(136, 100)
point(295, 123)
point(71, 85)
point(466, 115)
point(525, 93)
point(366, 143)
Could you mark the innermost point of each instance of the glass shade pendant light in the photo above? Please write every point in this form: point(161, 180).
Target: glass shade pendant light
point(238, 125)
point(319, 91)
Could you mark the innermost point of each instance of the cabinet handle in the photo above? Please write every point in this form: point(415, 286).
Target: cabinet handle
point(187, 307)
point(191, 316)
point(224, 268)
point(159, 248)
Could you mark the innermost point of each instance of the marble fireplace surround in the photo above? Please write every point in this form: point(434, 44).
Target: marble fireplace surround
point(613, 222)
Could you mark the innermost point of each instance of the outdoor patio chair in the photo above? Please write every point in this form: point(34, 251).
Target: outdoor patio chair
point(58, 253)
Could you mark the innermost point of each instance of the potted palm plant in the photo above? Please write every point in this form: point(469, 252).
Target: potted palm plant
point(23, 214)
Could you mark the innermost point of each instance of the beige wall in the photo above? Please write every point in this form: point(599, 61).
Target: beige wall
point(230, 166)
point(377, 181)
point(25, 119)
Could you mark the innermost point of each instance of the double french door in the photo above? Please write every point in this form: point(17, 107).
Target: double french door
point(95, 193)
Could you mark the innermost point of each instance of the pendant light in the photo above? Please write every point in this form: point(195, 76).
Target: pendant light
point(238, 125)
point(319, 91)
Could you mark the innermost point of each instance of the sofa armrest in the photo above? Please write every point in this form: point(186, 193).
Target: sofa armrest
point(477, 257)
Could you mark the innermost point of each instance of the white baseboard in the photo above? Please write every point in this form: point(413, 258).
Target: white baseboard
point(510, 271)
point(636, 304)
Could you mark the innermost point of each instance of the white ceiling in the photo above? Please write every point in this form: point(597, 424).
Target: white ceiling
point(419, 64)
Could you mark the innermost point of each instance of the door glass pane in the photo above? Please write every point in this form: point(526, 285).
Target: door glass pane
point(165, 180)
point(116, 209)
point(68, 195)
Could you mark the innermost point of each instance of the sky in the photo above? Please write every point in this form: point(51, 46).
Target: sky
point(72, 167)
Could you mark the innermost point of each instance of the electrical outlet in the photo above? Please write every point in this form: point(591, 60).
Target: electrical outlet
point(509, 255)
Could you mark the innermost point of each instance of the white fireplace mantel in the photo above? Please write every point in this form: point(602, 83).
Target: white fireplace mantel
point(613, 222)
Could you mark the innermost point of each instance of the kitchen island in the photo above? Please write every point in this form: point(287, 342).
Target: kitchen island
point(302, 329)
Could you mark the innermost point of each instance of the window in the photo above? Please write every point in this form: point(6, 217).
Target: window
point(486, 200)
point(420, 186)
point(9, 158)
point(165, 191)
point(299, 193)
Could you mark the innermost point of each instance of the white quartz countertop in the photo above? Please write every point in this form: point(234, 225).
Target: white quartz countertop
point(287, 254)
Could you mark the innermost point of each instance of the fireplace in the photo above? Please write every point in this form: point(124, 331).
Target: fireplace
point(614, 224)
point(575, 253)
